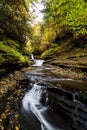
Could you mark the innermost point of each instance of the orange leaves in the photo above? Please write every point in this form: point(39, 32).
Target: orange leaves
point(16, 116)
point(3, 115)
point(16, 128)
point(1, 127)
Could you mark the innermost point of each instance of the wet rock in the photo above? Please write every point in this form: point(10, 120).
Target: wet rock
point(11, 92)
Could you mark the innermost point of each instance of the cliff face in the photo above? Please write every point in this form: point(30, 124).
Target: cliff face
point(73, 105)
point(68, 61)
point(71, 61)
point(13, 28)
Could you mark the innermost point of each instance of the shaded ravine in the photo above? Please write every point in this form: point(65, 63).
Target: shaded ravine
point(36, 110)
point(50, 120)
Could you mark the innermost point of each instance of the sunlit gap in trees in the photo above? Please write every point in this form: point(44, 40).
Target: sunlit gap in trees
point(36, 11)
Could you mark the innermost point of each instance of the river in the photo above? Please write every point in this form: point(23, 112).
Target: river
point(36, 111)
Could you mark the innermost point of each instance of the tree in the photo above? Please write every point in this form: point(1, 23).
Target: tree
point(14, 18)
point(14, 30)
point(71, 13)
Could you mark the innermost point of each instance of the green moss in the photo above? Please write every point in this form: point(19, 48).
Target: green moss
point(85, 63)
point(54, 49)
point(2, 59)
point(11, 54)
point(11, 43)
point(50, 52)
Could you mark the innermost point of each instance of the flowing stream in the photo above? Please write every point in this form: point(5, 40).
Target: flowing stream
point(35, 111)
point(37, 62)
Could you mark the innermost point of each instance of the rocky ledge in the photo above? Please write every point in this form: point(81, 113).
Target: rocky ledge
point(12, 87)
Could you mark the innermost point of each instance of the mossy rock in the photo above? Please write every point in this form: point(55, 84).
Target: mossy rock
point(50, 52)
point(11, 43)
point(2, 59)
point(11, 55)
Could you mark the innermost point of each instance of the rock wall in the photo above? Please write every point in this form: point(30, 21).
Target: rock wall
point(72, 104)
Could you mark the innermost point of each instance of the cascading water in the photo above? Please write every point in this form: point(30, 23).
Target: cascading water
point(32, 101)
point(36, 101)
point(36, 61)
point(36, 107)
point(32, 56)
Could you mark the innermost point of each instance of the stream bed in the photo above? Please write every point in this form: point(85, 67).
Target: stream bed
point(47, 106)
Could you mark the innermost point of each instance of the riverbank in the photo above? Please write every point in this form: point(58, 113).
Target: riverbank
point(70, 67)
point(12, 88)
point(69, 62)
point(78, 72)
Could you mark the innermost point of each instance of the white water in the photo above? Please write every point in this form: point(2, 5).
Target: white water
point(32, 101)
point(36, 61)
point(32, 56)
point(48, 119)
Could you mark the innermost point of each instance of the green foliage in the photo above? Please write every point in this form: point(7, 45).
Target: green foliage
point(2, 59)
point(51, 51)
point(70, 13)
point(34, 43)
point(49, 35)
point(12, 44)
point(48, 53)
point(14, 31)
point(65, 23)
point(13, 20)
point(12, 54)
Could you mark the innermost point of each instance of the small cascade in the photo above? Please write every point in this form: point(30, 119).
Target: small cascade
point(37, 62)
point(32, 56)
point(74, 97)
point(33, 96)
point(33, 101)
point(45, 102)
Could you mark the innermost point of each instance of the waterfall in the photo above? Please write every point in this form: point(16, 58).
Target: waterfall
point(36, 61)
point(41, 102)
point(32, 101)
point(32, 56)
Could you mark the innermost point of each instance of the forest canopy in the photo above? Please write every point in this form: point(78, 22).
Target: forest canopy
point(65, 21)
point(71, 13)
